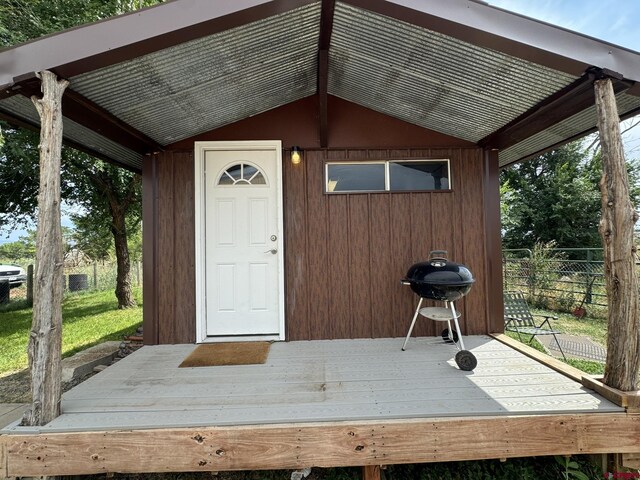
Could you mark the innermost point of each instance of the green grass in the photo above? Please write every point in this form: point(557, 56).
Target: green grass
point(87, 319)
point(594, 328)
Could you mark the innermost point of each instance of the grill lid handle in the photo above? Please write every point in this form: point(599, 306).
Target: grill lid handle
point(438, 254)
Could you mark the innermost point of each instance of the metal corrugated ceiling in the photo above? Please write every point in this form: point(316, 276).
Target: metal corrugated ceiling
point(396, 68)
point(430, 79)
point(204, 84)
point(21, 107)
point(572, 126)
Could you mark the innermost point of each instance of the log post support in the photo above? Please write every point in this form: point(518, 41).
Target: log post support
point(616, 229)
point(371, 472)
point(45, 341)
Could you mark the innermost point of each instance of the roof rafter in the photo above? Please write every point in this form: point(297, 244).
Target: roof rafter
point(91, 115)
point(324, 42)
point(565, 103)
point(22, 123)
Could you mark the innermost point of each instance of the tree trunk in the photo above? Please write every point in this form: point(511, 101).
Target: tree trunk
point(616, 230)
point(45, 342)
point(123, 278)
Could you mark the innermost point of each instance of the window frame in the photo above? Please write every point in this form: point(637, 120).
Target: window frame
point(387, 178)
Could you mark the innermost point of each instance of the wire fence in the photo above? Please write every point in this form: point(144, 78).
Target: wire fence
point(561, 279)
point(78, 277)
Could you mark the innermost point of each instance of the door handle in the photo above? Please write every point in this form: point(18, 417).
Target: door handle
point(273, 251)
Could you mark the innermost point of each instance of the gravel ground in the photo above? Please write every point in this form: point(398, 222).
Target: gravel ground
point(16, 387)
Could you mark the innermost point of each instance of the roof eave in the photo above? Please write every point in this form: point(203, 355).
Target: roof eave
point(510, 33)
point(121, 38)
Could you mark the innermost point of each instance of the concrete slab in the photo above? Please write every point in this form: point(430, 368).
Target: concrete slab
point(83, 363)
point(574, 346)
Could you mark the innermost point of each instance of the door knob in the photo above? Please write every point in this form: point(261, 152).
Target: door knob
point(273, 251)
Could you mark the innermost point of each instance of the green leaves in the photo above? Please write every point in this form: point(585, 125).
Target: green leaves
point(555, 196)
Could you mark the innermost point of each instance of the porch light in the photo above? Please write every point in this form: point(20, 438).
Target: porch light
point(296, 155)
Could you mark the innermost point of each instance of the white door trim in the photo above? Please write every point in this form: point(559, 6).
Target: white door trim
point(200, 247)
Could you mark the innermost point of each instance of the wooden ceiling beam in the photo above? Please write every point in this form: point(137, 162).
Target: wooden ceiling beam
point(565, 103)
point(19, 122)
point(89, 114)
point(324, 42)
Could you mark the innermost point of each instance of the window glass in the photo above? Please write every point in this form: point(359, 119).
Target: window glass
point(355, 177)
point(242, 174)
point(418, 176)
point(394, 176)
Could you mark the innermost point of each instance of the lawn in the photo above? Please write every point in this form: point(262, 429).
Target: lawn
point(593, 328)
point(87, 319)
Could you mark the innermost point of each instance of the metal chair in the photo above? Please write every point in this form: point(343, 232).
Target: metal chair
point(518, 318)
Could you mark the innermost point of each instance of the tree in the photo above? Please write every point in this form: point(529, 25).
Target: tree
point(110, 196)
point(555, 197)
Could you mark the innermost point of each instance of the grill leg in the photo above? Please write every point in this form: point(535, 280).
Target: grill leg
point(455, 320)
point(413, 322)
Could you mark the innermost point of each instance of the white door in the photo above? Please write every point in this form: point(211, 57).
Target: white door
point(242, 244)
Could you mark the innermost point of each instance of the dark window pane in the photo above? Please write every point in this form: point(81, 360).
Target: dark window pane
point(258, 179)
point(355, 177)
point(242, 174)
point(418, 176)
point(235, 171)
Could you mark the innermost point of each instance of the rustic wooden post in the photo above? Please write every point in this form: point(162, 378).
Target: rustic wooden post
point(45, 341)
point(616, 230)
point(371, 472)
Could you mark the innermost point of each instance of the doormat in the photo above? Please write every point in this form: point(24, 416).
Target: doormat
point(228, 353)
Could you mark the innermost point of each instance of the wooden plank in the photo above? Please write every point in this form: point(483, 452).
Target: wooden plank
point(400, 251)
point(297, 278)
point(629, 400)
point(184, 247)
point(324, 445)
point(3, 457)
point(474, 241)
point(561, 367)
point(631, 460)
point(149, 249)
point(165, 258)
point(371, 472)
point(383, 282)
point(339, 266)
point(317, 245)
point(360, 274)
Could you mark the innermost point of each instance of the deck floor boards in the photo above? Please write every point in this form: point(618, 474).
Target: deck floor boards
point(315, 381)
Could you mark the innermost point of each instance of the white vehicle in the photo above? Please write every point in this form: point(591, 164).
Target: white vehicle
point(15, 274)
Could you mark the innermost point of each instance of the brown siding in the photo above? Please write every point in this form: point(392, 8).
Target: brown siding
point(344, 254)
point(359, 246)
point(170, 241)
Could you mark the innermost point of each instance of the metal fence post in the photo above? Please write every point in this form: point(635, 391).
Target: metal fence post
point(95, 275)
point(589, 287)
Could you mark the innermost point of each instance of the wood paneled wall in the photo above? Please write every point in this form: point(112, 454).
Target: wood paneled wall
point(169, 247)
point(344, 253)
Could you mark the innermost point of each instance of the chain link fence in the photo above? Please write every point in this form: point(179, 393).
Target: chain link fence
point(561, 279)
point(78, 277)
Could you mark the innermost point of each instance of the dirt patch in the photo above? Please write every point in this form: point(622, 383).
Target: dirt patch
point(16, 387)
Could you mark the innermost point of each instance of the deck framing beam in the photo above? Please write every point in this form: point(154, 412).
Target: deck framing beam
point(331, 444)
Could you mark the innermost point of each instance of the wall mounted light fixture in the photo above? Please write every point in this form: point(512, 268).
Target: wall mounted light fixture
point(296, 155)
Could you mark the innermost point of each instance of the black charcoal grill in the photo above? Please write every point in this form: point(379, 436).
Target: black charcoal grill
point(443, 280)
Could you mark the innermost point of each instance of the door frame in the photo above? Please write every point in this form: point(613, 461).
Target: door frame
point(200, 229)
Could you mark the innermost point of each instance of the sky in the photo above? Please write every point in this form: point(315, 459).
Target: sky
point(615, 21)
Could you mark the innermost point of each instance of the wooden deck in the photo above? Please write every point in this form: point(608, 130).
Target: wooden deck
point(320, 381)
point(318, 403)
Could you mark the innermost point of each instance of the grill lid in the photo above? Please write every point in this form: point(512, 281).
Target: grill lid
point(439, 271)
